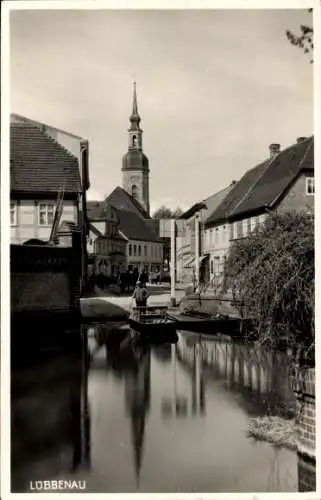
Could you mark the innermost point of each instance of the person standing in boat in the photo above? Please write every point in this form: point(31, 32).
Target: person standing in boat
point(140, 295)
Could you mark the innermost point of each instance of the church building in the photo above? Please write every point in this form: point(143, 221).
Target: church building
point(131, 201)
point(135, 165)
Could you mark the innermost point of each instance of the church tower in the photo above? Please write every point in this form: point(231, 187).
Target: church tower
point(135, 165)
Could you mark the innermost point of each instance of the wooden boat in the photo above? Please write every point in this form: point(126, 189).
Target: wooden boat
point(154, 325)
point(202, 323)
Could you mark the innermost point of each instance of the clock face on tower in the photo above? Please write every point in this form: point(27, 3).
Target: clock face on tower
point(134, 178)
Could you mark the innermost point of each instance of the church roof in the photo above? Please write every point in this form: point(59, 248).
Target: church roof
point(120, 199)
point(134, 227)
point(135, 159)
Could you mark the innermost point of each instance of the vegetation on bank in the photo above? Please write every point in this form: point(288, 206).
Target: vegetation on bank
point(271, 276)
point(275, 430)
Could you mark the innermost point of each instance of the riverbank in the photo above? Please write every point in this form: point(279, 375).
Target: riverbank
point(275, 430)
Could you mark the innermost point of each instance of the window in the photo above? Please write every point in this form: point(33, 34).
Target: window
point(135, 250)
point(232, 231)
point(13, 213)
point(239, 229)
point(134, 191)
point(139, 250)
point(130, 250)
point(145, 250)
point(212, 267)
point(245, 227)
point(134, 140)
point(309, 185)
point(46, 214)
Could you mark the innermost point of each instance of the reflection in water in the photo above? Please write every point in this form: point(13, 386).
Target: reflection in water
point(183, 406)
point(50, 421)
point(245, 369)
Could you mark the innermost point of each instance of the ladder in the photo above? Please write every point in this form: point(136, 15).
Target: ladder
point(57, 216)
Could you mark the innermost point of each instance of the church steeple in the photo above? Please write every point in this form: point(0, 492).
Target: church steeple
point(134, 117)
point(135, 132)
point(135, 167)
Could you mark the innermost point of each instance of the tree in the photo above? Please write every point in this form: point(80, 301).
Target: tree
point(166, 213)
point(304, 40)
point(271, 277)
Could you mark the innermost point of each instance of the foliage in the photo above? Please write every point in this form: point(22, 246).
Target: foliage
point(271, 276)
point(304, 40)
point(166, 213)
point(275, 430)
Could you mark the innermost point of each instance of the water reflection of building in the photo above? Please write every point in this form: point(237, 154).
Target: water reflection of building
point(137, 393)
point(177, 405)
point(242, 366)
point(49, 420)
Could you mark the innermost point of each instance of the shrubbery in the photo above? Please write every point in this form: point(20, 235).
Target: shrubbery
point(271, 276)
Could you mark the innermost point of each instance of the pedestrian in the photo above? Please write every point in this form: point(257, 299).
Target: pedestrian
point(140, 295)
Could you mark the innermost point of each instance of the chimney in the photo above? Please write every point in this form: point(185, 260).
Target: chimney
point(300, 139)
point(274, 150)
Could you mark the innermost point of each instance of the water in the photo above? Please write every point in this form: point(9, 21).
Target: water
point(169, 418)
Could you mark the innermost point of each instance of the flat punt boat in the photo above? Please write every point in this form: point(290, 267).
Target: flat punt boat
point(153, 323)
point(205, 323)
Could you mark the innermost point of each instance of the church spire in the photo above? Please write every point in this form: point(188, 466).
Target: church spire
point(134, 117)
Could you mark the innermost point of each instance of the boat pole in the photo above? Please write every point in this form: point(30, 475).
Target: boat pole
point(197, 252)
point(173, 261)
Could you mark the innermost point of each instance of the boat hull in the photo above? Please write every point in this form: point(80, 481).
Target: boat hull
point(161, 332)
point(214, 326)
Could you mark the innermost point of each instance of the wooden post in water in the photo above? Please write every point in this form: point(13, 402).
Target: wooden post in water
point(173, 261)
point(197, 253)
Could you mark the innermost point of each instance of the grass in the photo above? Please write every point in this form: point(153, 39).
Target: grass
point(275, 430)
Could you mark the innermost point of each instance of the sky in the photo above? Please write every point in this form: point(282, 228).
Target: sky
point(214, 88)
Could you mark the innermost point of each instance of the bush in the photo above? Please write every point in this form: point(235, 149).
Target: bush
point(271, 276)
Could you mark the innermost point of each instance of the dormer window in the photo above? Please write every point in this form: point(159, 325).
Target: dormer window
point(309, 185)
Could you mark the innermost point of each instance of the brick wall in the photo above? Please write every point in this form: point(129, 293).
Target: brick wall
point(306, 412)
point(44, 278)
point(296, 198)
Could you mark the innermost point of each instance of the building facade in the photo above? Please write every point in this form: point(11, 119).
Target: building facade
point(135, 164)
point(106, 246)
point(186, 234)
point(40, 169)
point(283, 182)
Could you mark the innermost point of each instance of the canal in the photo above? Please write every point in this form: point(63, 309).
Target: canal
point(167, 418)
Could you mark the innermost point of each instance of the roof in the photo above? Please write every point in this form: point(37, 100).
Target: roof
point(135, 160)
point(39, 164)
point(236, 194)
point(192, 210)
point(277, 177)
point(96, 210)
point(99, 234)
point(134, 227)
point(120, 199)
point(208, 204)
point(94, 230)
point(212, 202)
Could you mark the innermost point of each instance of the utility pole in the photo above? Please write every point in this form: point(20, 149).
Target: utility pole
point(173, 261)
point(197, 252)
